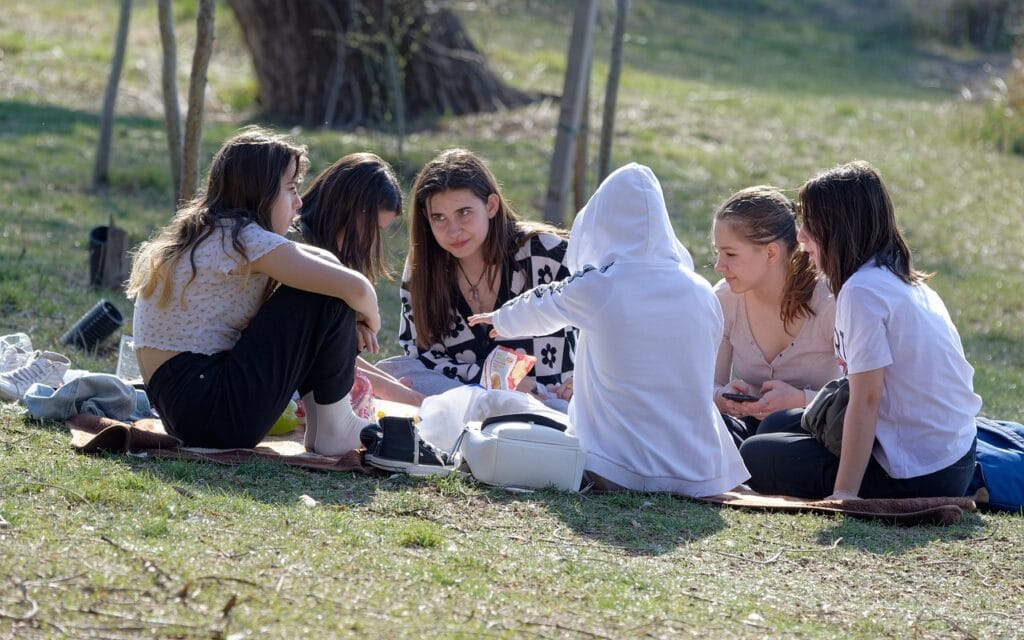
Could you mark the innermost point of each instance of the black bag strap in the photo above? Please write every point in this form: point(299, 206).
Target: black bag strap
point(535, 418)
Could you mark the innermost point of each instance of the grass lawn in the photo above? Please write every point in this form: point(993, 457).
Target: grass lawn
point(714, 97)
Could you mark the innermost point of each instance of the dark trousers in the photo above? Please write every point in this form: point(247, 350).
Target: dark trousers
point(783, 459)
point(297, 341)
point(740, 428)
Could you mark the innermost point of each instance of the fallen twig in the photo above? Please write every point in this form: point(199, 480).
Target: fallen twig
point(770, 560)
point(47, 484)
point(51, 581)
point(164, 578)
point(34, 609)
point(561, 627)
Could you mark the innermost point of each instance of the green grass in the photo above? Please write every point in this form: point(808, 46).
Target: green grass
point(715, 96)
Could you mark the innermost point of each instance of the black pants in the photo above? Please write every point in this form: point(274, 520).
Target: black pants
point(297, 341)
point(783, 459)
point(741, 428)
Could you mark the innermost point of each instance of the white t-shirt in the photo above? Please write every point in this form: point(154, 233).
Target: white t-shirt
point(217, 304)
point(926, 416)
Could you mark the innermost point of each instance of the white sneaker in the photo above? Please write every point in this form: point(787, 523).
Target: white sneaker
point(46, 367)
point(15, 351)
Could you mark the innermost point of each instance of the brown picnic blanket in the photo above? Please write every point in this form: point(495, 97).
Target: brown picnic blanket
point(902, 511)
point(92, 434)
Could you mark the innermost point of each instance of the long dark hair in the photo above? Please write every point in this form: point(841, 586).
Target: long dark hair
point(342, 203)
point(243, 182)
point(848, 213)
point(761, 215)
point(432, 281)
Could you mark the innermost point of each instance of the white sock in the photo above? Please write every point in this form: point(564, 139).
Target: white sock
point(309, 404)
point(337, 428)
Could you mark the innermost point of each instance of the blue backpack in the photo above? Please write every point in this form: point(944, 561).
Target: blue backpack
point(1000, 468)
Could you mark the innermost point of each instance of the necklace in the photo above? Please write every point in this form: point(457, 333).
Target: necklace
point(474, 287)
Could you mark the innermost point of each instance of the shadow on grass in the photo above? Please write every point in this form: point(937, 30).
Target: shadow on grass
point(641, 524)
point(26, 119)
point(884, 539)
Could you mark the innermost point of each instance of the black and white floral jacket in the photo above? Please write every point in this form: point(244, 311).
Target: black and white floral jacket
point(461, 353)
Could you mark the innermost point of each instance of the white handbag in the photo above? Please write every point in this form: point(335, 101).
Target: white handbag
point(523, 450)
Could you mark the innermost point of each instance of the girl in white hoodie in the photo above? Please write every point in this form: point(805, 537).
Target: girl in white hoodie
point(645, 361)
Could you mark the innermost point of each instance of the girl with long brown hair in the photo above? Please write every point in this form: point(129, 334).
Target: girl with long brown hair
point(909, 426)
point(220, 347)
point(469, 253)
point(345, 211)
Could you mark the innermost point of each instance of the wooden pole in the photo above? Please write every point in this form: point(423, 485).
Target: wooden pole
point(101, 167)
point(580, 191)
point(584, 18)
point(172, 112)
point(196, 98)
point(611, 92)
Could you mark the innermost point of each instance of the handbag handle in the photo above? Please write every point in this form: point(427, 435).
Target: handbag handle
point(533, 418)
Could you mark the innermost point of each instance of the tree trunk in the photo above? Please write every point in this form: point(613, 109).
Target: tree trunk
point(100, 170)
point(577, 70)
point(326, 62)
point(611, 95)
point(172, 112)
point(196, 94)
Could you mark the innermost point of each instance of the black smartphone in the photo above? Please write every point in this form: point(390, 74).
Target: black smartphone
point(740, 397)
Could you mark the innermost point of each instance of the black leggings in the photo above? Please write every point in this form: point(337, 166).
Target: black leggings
point(297, 341)
point(784, 459)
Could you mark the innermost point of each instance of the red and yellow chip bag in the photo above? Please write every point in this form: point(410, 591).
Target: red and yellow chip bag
point(505, 368)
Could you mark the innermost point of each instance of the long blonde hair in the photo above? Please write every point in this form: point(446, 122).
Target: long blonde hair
point(244, 181)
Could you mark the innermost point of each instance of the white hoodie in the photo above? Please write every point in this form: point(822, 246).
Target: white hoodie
point(649, 331)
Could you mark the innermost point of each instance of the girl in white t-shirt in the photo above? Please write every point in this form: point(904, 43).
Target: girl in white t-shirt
point(909, 429)
point(220, 348)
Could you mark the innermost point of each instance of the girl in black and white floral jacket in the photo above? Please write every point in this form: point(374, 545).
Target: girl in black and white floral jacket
point(469, 253)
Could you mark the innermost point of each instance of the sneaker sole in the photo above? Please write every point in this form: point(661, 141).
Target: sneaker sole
point(407, 467)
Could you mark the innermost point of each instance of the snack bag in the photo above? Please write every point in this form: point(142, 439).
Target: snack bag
point(505, 368)
point(362, 397)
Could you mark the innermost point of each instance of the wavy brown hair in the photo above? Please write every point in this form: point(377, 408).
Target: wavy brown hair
point(432, 281)
point(849, 214)
point(242, 184)
point(342, 202)
point(762, 215)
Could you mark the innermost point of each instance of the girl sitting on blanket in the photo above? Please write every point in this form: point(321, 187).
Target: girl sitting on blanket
point(220, 348)
point(345, 211)
point(909, 429)
point(779, 316)
point(642, 407)
point(469, 253)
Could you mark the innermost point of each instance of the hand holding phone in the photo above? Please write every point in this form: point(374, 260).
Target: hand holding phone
point(740, 397)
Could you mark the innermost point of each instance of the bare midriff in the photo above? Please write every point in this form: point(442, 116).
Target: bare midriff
point(151, 359)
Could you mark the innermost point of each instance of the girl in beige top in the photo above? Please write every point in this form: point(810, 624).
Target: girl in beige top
point(779, 317)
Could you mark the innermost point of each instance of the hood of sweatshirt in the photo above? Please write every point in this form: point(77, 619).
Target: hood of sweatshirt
point(625, 221)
